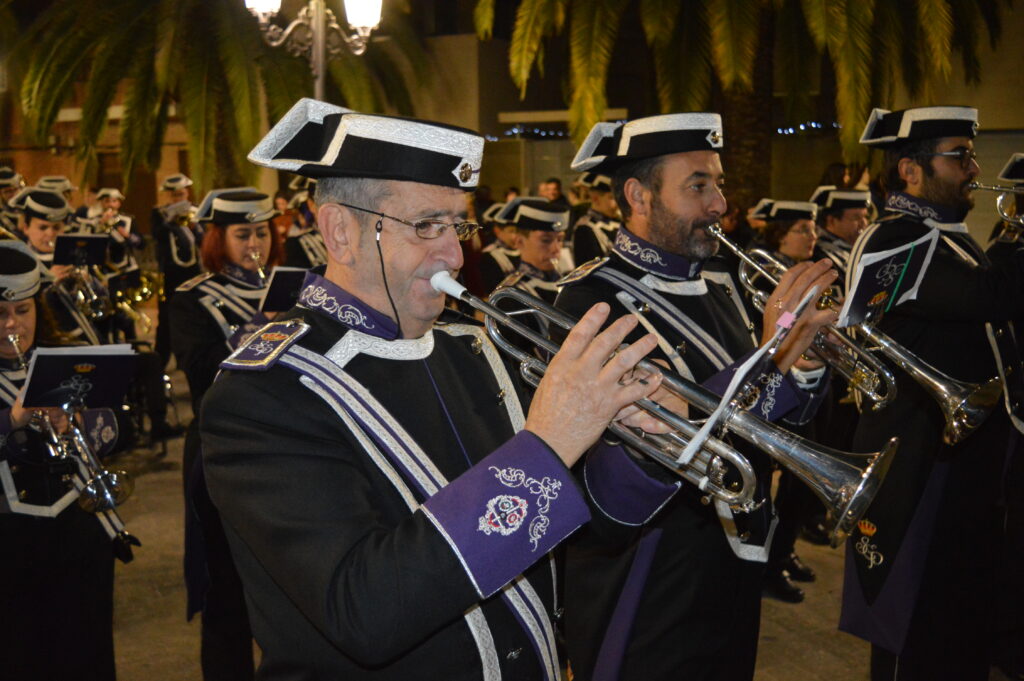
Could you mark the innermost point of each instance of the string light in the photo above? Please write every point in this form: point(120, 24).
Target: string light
point(806, 126)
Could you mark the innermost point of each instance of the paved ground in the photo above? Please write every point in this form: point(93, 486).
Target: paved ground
point(153, 641)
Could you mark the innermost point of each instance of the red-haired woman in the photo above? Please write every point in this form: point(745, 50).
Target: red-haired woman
point(210, 314)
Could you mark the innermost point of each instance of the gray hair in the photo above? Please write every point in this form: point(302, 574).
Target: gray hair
point(364, 192)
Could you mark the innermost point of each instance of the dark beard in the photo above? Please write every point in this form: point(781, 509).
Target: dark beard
point(953, 196)
point(675, 235)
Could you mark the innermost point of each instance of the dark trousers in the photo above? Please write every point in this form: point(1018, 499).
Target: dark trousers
point(57, 598)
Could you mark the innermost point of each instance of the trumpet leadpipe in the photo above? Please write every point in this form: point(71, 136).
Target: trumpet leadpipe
point(1000, 188)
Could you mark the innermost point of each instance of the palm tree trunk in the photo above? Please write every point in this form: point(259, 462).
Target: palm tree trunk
point(747, 124)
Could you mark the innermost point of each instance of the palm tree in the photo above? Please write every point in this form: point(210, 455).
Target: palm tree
point(727, 49)
point(203, 61)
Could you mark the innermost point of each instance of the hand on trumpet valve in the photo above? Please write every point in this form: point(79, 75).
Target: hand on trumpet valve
point(793, 287)
point(22, 417)
point(589, 383)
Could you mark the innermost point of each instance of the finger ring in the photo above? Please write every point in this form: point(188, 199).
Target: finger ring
point(778, 304)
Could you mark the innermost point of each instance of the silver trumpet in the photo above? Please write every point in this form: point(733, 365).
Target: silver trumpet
point(964, 406)
point(862, 370)
point(845, 487)
point(1006, 206)
point(257, 258)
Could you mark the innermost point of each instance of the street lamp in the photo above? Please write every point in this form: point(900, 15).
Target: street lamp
point(315, 32)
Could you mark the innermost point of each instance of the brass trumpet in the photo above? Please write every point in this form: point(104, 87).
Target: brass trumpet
point(864, 372)
point(845, 487)
point(257, 257)
point(1006, 207)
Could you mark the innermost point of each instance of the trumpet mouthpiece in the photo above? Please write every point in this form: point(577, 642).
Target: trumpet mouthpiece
point(442, 281)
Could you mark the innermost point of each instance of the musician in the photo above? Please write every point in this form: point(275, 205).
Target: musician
point(176, 238)
point(372, 534)
point(208, 316)
point(57, 573)
point(500, 258)
point(842, 216)
point(1008, 648)
point(304, 246)
point(920, 566)
point(790, 236)
point(594, 233)
point(679, 596)
point(10, 183)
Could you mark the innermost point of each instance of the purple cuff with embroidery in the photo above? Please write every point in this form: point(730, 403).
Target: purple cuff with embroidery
point(620, 488)
point(508, 511)
point(777, 395)
point(101, 430)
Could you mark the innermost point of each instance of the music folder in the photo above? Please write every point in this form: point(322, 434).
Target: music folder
point(80, 250)
point(97, 374)
point(283, 289)
point(886, 279)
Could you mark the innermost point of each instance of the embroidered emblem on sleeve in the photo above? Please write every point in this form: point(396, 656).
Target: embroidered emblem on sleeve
point(772, 383)
point(505, 514)
point(544, 489)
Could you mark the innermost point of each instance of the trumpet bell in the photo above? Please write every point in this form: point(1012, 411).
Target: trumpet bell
point(105, 491)
point(850, 501)
point(965, 415)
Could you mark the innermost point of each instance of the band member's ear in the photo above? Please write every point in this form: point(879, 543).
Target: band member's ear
point(637, 195)
point(911, 171)
point(340, 231)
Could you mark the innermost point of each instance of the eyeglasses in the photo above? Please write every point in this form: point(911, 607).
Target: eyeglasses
point(962, 154)
point(426, 229)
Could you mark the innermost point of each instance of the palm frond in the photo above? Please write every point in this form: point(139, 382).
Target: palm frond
point(237, 40)
point(659, 19)
point(534, 20)
point(912, 65)
point(888, 37)
point(734, 37)
point(592, 39)
point(936, 21)
point(352, 76)
point(171, 38)
point(390, 81)
point(285, 80)
point(852, 59)
point(819, 22)
point(683, 65)
point(991, 13)
point(965, 38)
point(483, 19)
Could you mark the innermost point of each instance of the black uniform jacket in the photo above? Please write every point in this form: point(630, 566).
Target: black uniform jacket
point(677, 596)
point(928, 536)
point(385, 518)
point(593, 235)
point(304, 248)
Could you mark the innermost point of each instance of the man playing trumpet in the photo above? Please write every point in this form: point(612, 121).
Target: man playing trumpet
point(390, 501)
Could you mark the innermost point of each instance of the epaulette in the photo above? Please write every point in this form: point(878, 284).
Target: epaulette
point(194, 281)
point(582, 271)
point(511, 280)
point(263, 348)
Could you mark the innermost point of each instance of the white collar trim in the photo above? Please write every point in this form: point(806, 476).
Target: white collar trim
point(691, 287)
point(356, 342)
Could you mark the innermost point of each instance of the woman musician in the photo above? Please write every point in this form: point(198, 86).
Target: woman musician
point(57, 574)
point(210, 314)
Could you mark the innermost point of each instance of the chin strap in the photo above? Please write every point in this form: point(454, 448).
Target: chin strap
point(398, 322)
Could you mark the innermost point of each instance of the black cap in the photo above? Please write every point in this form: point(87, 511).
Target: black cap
point(771, 210)
point(609, 145)
point(886, 128)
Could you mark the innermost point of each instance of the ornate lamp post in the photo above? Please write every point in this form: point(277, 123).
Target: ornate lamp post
point(315, 32)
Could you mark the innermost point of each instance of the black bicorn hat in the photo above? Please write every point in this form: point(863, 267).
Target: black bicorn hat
point(886, 128)
point(175, 182)
point(9, 178)
point(489, 216)
point(534, 213)
point(110, 193)
point(316, 139)
point(609, 145)
point(55, 183)
point(830, 197)
point(20, 274)
point(596, 181)
point(45, 204)
point(771, 210)
point(236, 206)
point(1013, 171)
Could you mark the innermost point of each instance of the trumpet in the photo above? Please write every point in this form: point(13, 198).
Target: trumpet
point(845, 487)
point(1006, 207)
point(101, 491)
point(257, 257)
point(862, 370)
